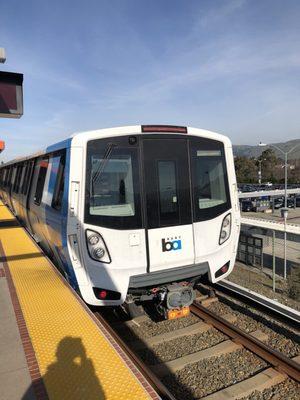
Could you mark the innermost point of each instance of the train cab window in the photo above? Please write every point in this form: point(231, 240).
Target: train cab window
point(60, 181)
point(210, 182)
point(112, 189)
point(43, 164)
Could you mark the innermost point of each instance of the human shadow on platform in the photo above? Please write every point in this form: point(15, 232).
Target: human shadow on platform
point(71, 376)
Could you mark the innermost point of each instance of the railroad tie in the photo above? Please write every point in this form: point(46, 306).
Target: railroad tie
point(152, 341)
point(170, 367)
point(259, 382)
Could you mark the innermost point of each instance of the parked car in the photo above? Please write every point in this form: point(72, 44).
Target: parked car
point(247, 205)
point(278, 203)
point(291, 202)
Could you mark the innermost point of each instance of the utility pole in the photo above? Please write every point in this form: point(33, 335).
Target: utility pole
point(259, 169)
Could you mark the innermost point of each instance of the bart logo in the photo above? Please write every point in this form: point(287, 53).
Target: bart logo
point(169, 245)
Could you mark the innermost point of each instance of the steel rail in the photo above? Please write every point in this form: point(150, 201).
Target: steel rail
point(157, 385)
point(272, 307)
point(276, 359)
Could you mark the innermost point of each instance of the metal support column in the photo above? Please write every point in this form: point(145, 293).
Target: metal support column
point(274, 260)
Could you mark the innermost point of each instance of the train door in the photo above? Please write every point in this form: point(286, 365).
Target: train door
point(167, 191)
point(15, 191)
point(10, 189)
point(36, 207)
point(54, 220)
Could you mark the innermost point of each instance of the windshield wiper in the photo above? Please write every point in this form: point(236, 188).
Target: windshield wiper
point(101, 167)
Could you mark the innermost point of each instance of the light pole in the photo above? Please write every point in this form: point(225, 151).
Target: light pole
point(259, 169)
point(285, 211)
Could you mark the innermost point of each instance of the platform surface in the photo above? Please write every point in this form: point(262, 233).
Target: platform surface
point(66, 353)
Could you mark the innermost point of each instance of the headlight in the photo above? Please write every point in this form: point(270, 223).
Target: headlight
point(225, 229)
point(99, 253)
point(93, 239)
point(96, 247)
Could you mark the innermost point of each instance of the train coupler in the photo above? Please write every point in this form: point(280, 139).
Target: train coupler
point(176, 300)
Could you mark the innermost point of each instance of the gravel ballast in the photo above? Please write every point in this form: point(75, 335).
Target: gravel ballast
point(210, 375)
point(151, 328)
point(287, 390)
point(182, 346)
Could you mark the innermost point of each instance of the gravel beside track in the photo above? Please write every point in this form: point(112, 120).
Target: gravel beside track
point(213, 374)
point(286, 343)
point(287, 390)
point(182, 346)
point(261, 282)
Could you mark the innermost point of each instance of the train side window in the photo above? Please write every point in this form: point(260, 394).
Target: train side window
point(5, 177)
point(22, 177)
point(26, 166)
point(17, 178)
point(59, 185)
point(9, 181)
point(13, 178)
point(43, 164)
point(15, 174)
point(2, 176)
point(26, 181)
point(15, 187)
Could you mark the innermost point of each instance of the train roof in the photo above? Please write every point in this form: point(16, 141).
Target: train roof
point(81, 137)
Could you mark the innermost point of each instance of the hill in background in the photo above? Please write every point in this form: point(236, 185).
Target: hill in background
point(255, 151)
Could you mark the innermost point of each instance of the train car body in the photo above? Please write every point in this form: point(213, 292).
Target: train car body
point(135, 212)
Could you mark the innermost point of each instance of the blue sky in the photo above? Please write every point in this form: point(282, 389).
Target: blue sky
point(229, 66)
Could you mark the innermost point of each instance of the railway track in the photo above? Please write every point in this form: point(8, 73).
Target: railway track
point(205, 356)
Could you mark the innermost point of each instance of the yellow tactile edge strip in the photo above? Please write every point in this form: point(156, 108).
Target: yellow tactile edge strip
point(33, 367)
point(109, 374)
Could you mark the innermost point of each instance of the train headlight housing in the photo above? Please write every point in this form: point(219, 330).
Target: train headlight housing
point(93, 239)
point(225, 229)
point(96, 247)
point(99, 253)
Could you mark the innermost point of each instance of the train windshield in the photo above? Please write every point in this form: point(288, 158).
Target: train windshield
point(112, 189)
point(209, 179)
point(179, 174)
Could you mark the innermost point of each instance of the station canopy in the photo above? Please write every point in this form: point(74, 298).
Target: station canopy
point(11, 95)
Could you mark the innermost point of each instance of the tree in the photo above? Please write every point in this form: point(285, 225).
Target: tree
point(246, 170)
point(269, 166)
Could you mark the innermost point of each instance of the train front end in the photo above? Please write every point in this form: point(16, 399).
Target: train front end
point(152, 209)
